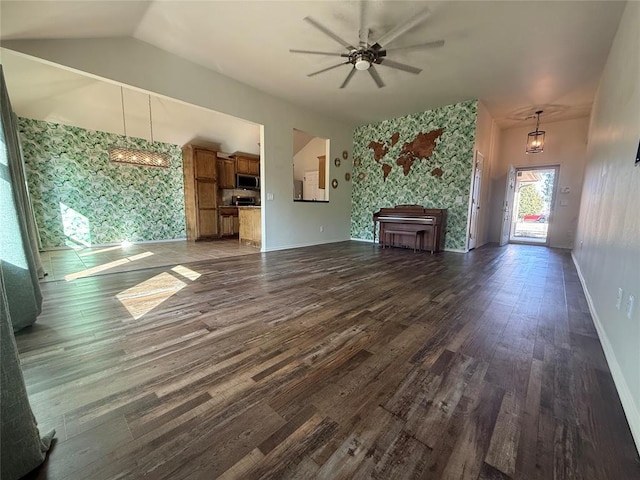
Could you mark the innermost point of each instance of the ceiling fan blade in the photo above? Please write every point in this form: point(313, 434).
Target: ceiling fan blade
point(327, 69)
point(376, 77)
point(346, 80)
point(400, 66)
point(329, 33)
point(403, 27)
point(437, 43)
point(364, 31)
point(314, 52)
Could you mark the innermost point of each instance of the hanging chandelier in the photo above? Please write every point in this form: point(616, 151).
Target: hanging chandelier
point(535, 140)
point(138, 157)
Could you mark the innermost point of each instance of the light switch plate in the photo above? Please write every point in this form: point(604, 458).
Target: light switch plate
point(619, 299)
point(630, 304)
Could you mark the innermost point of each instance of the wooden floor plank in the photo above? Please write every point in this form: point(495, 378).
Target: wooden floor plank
point(333, 361)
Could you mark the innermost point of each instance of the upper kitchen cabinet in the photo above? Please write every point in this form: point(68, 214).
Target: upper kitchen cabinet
point(226, 173)
point(200, 192)
point(247, 164)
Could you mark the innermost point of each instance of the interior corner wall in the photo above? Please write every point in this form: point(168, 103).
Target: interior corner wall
point(307, 158)
point(607, 250)
point(423, 185)
point(80, 197)
point(485, 143)
point(285, 223)
point(566, 146)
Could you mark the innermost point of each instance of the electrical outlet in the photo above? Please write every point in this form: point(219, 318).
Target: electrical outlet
point(322, 228)
point(630, 303)
point(619, 299)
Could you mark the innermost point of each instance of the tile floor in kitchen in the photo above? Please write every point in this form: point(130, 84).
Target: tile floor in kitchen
point(69, 264)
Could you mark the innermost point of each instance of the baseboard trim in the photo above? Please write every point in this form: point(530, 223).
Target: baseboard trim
point(628, 404)
point(301, 245)
point(361, 240)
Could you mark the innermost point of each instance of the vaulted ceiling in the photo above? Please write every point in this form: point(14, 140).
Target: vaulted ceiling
point(514, 56)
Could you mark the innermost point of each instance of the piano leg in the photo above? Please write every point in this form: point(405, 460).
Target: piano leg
point(374, 233)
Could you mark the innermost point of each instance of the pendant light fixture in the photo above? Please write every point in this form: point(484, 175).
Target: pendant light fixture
point(138, 157)
point(535, 140)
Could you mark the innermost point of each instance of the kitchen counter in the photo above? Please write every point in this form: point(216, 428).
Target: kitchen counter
point(250, 225)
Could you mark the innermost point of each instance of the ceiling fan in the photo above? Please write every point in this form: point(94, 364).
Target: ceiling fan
point(366, 55)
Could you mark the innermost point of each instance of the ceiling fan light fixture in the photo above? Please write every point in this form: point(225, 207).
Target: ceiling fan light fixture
point(535, 140)
point(362, 63)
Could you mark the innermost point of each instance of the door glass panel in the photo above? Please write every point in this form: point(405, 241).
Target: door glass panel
point(532, 205)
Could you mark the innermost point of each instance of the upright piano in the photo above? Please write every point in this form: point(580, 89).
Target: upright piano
point(424, 227)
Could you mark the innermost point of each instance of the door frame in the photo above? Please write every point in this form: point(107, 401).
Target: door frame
point(507, 205)
point(474, 204)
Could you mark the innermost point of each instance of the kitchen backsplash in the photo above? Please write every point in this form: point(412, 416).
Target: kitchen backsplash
point(238, 192)
point(81, 198)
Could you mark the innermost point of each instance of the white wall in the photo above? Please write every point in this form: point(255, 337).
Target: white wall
point(140, 65)
point(565, 145)
point(607, 250)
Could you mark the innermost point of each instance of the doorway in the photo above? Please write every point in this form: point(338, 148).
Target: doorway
point(532, 206)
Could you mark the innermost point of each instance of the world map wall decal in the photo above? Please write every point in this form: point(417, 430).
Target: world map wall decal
point(420, 148)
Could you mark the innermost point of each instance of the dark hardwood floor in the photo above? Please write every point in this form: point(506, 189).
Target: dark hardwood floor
point(337, 361)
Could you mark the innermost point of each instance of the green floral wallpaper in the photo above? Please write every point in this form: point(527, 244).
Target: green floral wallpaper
point(81, 198)
point(442, 181)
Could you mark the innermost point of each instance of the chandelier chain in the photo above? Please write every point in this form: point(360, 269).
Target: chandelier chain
point(150, 120)
point(124, 122)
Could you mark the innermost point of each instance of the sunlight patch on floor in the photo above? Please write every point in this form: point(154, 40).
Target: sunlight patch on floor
point(186, 272)
point(102, 250)
point(105, 266)
point(145, 296)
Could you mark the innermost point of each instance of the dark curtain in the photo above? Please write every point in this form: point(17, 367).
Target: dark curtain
point(21, 448)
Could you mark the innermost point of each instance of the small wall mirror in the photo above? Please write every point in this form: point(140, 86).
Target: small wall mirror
point(310, 167)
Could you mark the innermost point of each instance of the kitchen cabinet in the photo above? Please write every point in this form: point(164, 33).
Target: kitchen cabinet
point(226, 173)
point(247, 165)
point(229, 222)
point(200, 177)
point(250, 226)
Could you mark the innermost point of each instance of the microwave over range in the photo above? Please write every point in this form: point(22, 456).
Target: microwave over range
point(250, 182)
